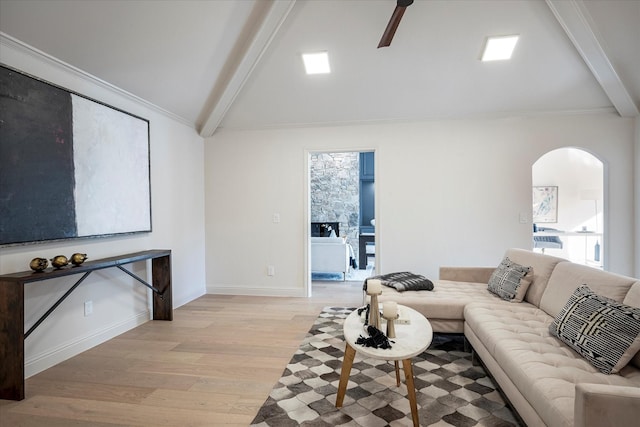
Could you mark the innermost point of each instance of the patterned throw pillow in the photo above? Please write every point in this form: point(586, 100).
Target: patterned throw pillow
point(510, 280)
point(405, 281)
point(603, 331)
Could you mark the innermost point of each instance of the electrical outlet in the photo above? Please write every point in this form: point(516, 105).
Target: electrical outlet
point(88, 308)
point(271, 270)
point(276, 218)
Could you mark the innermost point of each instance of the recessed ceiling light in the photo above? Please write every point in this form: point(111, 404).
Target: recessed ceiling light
point(498, 48)
point(316, 63)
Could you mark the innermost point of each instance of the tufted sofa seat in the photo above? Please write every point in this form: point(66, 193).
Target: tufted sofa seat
point(536, 370)
point(444, 306)
point(546, 382)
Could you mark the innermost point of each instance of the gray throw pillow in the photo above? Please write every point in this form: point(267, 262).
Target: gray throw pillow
point(510, 280)
point(405, 281)
point(603, 331)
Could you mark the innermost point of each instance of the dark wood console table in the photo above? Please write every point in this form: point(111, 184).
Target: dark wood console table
point(12, 334)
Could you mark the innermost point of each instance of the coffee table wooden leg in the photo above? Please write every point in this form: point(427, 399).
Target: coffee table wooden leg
point(411, 390)
point(347, 362)
point(397, 373)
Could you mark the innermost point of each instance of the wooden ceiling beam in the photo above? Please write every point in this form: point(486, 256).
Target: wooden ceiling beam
point(261, 27)
point(580, 27)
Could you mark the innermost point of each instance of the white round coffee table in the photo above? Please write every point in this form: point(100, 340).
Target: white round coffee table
point(411, 339)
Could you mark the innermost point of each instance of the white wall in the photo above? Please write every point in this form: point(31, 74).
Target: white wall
point(448, 193)
point(119, 303)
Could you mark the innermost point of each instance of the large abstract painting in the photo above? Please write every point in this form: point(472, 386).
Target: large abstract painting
point(70, 167)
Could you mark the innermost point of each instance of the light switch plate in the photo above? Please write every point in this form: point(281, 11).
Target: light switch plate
point(524, 218)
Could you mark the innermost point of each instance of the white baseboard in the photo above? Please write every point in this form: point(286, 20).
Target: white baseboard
point(263, 292)
point(184, 299)
point(53, 356)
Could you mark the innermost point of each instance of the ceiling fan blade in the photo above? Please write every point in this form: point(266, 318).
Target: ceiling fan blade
point(392, 26)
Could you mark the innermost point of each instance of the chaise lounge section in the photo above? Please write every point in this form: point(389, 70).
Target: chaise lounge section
point(545, 380)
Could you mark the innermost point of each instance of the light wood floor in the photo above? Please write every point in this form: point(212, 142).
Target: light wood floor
point(213, 365)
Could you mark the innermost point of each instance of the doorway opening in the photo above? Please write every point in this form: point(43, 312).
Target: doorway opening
point(341, 213)
point(569, 219)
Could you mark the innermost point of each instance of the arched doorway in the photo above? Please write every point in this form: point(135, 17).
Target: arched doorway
point(568, 206)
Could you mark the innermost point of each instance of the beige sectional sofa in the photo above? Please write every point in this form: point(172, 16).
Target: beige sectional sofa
point(546, 381)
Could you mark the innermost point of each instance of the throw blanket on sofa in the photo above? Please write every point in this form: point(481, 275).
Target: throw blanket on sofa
point(404, 281)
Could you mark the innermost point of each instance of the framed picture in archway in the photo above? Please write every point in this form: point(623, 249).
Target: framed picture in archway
point(545, 204)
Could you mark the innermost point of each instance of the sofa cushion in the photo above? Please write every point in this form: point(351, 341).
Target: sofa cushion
point(633, 296)
point(445, 301)
point(605, 332)
point(567, 276)
point(633, 299)
point(510, 280)
point(542, 266)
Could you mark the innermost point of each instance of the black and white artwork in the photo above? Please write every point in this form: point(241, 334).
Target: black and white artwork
point(70, 167)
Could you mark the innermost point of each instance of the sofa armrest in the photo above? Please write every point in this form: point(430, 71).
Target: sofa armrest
point(466, 274)
point(603, 405)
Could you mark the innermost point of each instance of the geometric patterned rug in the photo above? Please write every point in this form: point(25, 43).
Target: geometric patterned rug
point(450, 391)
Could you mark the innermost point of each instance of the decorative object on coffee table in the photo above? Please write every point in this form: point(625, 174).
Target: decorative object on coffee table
point(374, 288)
point(390, 314)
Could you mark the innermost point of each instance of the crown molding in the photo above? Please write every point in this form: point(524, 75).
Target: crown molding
point(11, 44)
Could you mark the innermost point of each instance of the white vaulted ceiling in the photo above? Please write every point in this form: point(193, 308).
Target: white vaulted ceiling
point(237, 63)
